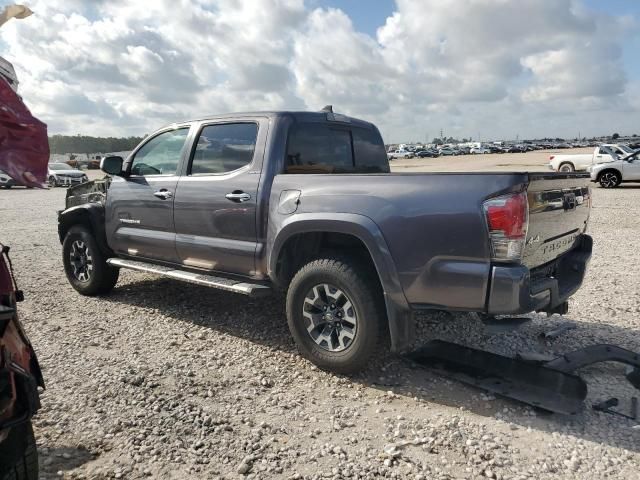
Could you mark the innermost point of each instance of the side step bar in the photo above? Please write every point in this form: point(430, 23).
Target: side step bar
point(222, 283)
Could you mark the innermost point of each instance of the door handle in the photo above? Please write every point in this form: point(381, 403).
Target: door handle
point(238, 196)
point(163, 194)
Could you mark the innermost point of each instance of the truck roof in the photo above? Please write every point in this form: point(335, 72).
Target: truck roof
point(299, 116)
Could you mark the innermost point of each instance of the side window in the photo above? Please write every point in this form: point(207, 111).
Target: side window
point(224, 148)
point(371, 156)
point(318, 148)
point(161, 154)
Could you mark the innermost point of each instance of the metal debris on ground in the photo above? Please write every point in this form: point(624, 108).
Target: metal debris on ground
point(607, 407)
point(550, 385)
point(556, 332)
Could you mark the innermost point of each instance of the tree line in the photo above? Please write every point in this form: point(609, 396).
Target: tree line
point(84, 144)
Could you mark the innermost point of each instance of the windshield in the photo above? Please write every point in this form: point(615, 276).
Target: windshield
point(626, 148)
point(633, 157)
point(59, 166)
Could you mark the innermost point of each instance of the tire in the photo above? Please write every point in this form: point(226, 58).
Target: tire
point(85, 265)
point(566, 167)
point(52, 181)
point(316, 286)
point(610, 179)
point(26, 468)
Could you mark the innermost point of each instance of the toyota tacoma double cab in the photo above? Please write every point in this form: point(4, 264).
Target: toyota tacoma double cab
point(304, 202)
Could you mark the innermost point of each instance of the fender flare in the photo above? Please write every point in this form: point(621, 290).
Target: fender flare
point(401, 325)
point(91, 214)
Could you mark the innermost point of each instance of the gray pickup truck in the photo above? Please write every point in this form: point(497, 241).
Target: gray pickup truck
point(304, 202)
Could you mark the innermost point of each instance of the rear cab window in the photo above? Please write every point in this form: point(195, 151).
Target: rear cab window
point(316, 147)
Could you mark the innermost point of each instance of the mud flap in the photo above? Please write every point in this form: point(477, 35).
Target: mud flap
point(547, 388)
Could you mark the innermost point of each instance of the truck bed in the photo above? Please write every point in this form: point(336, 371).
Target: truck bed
point(434, 225)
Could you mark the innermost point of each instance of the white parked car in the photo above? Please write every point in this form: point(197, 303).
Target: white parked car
point(611, 174)
point(61, 174)
point(6, 181)
point(400, 154)
point(582, 161)
point(480, 150)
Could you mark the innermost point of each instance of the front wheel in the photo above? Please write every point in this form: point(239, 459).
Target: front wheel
point(52, 181)
point(610, 179)
point(85, 265)
point(336, 314)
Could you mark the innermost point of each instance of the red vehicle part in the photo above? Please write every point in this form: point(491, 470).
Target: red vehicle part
point(24, 147)
point(20, 377)
point(20, 373)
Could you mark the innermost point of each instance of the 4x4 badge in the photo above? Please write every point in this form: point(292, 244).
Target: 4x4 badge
point(533, 240)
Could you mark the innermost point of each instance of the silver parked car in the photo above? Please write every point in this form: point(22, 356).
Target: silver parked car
point(61, 174)
point(612, 173)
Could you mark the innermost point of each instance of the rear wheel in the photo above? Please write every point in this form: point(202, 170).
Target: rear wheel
point(26, 468)
point(336, 314)
point(566, 167)
point(85, 265)
point(610, 179)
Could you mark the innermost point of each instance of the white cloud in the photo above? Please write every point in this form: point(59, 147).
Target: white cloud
point(494, 67)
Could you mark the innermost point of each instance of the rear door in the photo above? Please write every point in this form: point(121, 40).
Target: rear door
point(559, 207)
point(216, 198)
point(139, 207)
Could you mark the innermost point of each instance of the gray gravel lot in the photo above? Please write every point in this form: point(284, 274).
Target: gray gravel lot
point(168, 380)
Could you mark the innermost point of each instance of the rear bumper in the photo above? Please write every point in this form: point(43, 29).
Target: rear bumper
point(516, 289)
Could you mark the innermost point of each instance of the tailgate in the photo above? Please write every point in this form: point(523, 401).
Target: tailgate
point(559, 206)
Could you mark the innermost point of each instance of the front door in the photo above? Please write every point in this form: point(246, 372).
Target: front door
point(139, 208)
point(216, 198)
point(631, 169)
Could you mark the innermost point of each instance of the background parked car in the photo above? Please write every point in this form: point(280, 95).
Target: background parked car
point(430, 153)
point(400, 154)
point(611, 173)
point(481, 150)
point(582, 161)
point(448, 151)
point(61, 174)
point(6, 181)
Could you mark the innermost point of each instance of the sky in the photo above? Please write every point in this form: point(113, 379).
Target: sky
point(481, 69)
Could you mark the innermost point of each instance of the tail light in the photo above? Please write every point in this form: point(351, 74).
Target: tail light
point(551, 157)
point(507, 219)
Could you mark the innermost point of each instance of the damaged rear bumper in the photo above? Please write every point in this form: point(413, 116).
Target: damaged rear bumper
point(516, 289)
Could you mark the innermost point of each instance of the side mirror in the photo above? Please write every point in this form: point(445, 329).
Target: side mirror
point(112, 165)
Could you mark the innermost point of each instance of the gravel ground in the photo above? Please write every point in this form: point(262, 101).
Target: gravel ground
point(168, 380)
